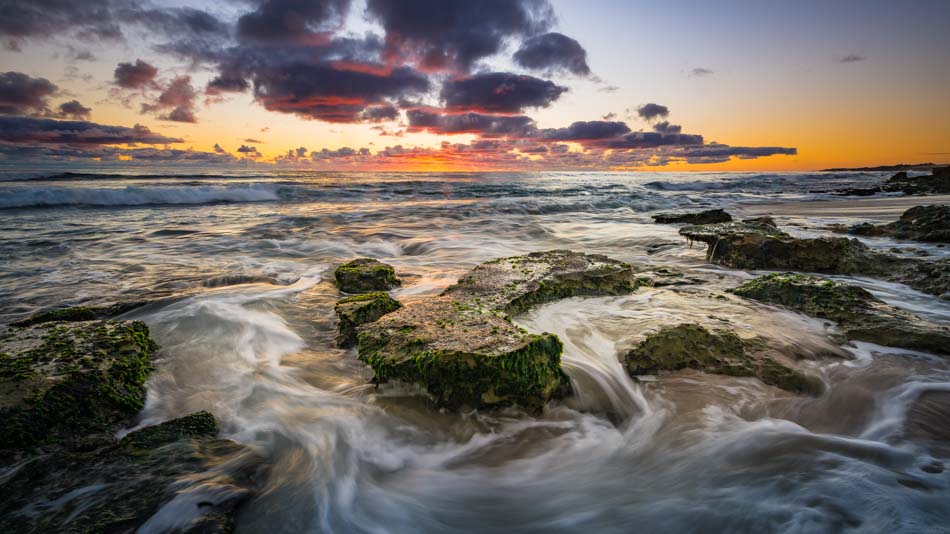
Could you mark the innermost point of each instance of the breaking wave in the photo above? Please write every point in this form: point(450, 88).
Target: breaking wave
point(25, 197)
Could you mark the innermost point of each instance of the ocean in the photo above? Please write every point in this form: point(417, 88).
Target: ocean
point(237, 268)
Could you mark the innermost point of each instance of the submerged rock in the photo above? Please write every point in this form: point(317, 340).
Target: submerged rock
point(691, 346)
point(921, 223)
point(462, 347)
point(760, 246)
point(365, 274)
point(62, 381)
point(860, 315)
point(361, 309)
point(80, 313)
point(702, 217)
point(66, 389)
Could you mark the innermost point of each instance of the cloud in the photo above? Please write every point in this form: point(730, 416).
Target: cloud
point(472, 123)
point(334, 92)
point(701, 71)
point(49, 131)
point(21, 94)
point(454, 34)
point(178, 97)
point(73, 109)
point(652, 111)
point(277, 21)
point(851, 58)
point(553, 52)
point(218, 149)
point(666, 127)
point(499, 92)
point(89, 19)
point(249, 151)
point(586, 130)
point(135, 75)
point(380, 113)
point(641, 140)
point(718, 153)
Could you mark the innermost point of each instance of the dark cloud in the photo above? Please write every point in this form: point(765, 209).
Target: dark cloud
point(385, 112)
point(585, 131)
point(473, 123)
point(609, 116)
point(641, 140)
point(46, 18)
point(249, 151)
point(718, 153)
point(277, 21)
point(48, 131)
point(499, 92)
point(252, 141)
point(666, 127)
point(652, 111)
point(334, 92)
point(73, 109)
point(553, 52)
point(851, 58)
point(218, 149)
point(22, 95)
point(135, 75)
point(453, 34)
point(700, 71)
point(179, 22)
point(177, 99)
point(111, 153)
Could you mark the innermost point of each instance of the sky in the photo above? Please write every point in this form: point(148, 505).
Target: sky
point(488, 85)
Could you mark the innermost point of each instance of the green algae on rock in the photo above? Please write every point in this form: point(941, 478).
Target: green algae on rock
point(691, 346)
point(80, 313)
point(365, 274)
point(920, 223)
point(62, 380)
point(860, 315)
point(119, 487)
point(701, 217)
point(462, 347)
point(361, 309)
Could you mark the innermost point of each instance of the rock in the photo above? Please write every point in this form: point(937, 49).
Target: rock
point(757, 246)
point(702, 217)
point(938, 182)
point(365, 274)
point(361, 309)
point(119, 487)
point(765, 220)
point(462, 347)
point(694, 347)
point(66, 389)
point(921, 223)
point(64, 380)
point(80, 313)
point(859, 314)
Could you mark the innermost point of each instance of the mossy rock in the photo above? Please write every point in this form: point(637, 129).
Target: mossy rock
point(691, 346)
point(364, 275)
point(860, 315)
point(761, 246)
point(921, 223)
point(701, 217)
point(462, 347)
point(358, 310)
point(119, 487)
point(63, 381)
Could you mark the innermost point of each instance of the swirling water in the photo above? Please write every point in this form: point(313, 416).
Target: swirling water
point(238, 267)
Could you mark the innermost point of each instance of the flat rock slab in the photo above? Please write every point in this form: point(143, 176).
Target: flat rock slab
point(358, 310)
point(860, 315)
point(701, 217)
point(691, 346)
point(462, 347)
point(922, 223)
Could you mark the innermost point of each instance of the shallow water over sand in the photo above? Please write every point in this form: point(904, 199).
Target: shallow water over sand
point(246, 328)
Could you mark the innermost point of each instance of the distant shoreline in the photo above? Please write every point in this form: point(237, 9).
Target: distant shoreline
point(897, 167)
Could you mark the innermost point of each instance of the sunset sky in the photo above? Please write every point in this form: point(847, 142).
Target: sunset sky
point(496, 85)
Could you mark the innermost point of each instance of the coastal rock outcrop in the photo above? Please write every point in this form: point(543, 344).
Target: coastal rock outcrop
point(691, 346)
point(701, 217)
point(937, 182)
point(921, 223)
point(363, 275)
point(859, 314)
point(462, 347)
point(762, 246)
point(67, 387)
point(361, 309)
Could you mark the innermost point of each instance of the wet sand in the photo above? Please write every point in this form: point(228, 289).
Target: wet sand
point(888, 208)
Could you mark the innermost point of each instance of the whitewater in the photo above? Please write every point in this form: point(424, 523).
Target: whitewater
point(237, 268)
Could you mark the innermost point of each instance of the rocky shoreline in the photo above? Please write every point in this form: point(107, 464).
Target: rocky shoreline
point(73, 380)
